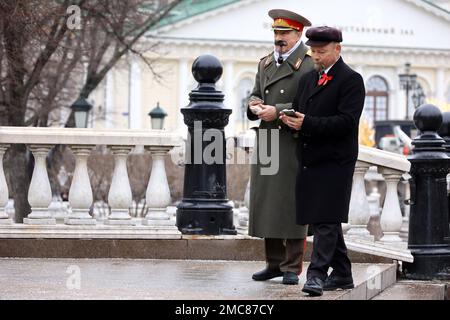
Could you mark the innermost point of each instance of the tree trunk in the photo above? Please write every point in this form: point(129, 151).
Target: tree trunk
point(19, 164)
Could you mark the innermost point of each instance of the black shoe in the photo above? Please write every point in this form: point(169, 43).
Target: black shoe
point(267, 274)
point(334, 282)
point(313, 286)
point(290, 277)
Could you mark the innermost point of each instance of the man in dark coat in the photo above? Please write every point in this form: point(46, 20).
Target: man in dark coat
point(329, 101)
point(272, 200)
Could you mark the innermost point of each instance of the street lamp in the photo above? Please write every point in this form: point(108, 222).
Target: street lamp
point(407, 83)
point(418, 97)
point(157, 116)
point(81, 110)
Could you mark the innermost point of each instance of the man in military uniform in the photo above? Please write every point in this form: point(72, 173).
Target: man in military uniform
point(272, 197)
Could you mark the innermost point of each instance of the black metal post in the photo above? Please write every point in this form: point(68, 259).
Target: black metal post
point(205, 208)
point(428, 221)
point(444, 132)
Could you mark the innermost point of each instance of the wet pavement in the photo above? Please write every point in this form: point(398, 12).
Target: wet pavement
point(135, 279)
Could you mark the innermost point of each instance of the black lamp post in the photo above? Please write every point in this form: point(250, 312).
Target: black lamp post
point(428, 238)
point(81, 110)
point(205, 208)
point(157, 116)
point(407, 83)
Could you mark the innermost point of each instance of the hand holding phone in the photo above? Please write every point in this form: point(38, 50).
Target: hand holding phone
point(255, 109)
point(289, 112)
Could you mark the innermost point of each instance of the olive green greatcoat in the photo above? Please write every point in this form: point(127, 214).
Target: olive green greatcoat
point(272, 197)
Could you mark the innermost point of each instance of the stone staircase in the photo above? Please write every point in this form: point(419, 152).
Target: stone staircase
point(415, 290)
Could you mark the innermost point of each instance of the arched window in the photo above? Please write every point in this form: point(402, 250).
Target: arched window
point(377, 99)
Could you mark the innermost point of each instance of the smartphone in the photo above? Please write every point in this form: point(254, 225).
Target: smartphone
point(289, 112)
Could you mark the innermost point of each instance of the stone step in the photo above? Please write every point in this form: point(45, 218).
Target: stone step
point(188, 247)
point(168, 280)
point(414, 290)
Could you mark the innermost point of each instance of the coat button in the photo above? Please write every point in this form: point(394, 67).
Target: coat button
point(305, 145)
point(267, 91)
point(281, 91)
point(304, 168)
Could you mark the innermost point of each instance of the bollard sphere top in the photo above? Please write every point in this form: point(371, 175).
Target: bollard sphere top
point(428, 118)
point(207, 69)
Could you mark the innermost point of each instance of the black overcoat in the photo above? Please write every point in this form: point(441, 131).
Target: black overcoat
point(328, 144)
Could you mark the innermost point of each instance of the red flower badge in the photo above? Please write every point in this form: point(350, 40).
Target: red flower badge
point(324, 79)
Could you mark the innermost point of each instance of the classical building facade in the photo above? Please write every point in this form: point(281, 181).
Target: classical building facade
point(380, 38)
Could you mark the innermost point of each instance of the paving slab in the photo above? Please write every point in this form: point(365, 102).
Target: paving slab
point(136, 279)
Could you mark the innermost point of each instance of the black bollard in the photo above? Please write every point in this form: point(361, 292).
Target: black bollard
point(444, 132)
point(205, 209)
point(428, 221)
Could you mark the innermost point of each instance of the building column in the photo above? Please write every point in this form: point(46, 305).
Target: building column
point(183, 95)
point(360, 70)
point(440, 85)
point(397, 107)
point(109, 99)
point(230, 101)
point(134, 102)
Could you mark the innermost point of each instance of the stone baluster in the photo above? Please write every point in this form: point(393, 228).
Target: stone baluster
point(405, 223)
point(359, 212)
point(40, 192)
point(80, 193)
point(391, 216)
point(158, 192)
point(4, 195)
point(120, 197)
point(246, 142)
point(243, 211)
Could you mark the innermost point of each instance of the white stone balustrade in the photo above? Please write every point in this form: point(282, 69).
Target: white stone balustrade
point(4, 194)
point(81, 141)
point(392, 166)
point(158, 193)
